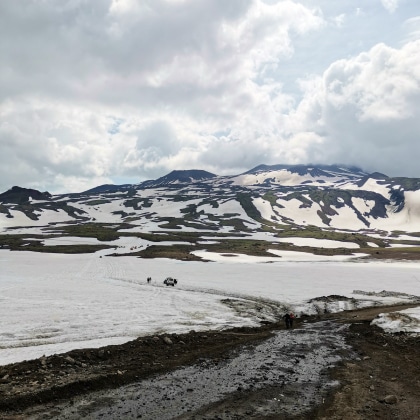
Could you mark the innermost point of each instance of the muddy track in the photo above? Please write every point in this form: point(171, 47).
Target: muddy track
point(264, 372)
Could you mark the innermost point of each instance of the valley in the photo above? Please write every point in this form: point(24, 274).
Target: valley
point(265, 208)
point(82, 316)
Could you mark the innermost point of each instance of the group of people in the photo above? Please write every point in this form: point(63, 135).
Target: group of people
point(288, 319)
point(149, 279)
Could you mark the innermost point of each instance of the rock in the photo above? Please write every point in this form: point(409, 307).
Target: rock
point(390, 399)
point(70, 360)
point(167, 340)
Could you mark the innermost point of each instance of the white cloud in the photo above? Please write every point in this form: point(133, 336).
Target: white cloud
point(367, 109)
point(129, 88)
point(339, 20)
point(120, 89)
point(390, 5)
point(381, 84)
point(43, 140)
point(412, 28)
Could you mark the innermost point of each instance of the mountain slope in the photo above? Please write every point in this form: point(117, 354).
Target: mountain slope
point(266, 198)
point(178, 177)
point(18, 195)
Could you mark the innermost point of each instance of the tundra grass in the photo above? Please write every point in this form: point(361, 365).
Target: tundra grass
point(178, 252)
point(97, 202)
point(66, 249)
point(403, 253)
point(231, 246)
point(21, 243)
point(316, 233)
point(90, 230)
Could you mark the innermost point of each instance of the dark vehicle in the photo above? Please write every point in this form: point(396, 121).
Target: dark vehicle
point(169, 281)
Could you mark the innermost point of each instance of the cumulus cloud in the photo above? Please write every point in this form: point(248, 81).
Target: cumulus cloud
point(130, 87)
point(366, 109)
point(42, 140)
point(103, 90)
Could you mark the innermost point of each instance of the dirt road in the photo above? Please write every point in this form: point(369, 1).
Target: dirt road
point(335, 367)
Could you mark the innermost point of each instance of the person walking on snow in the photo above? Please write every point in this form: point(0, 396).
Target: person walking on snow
point(287, 320)
point(291, 319)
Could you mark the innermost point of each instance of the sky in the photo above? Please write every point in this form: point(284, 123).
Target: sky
point(119, 91)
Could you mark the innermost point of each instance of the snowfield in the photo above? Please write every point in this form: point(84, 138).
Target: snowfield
point(52, 303)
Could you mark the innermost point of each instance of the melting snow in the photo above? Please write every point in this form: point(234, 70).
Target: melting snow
point(407, 321)
point(53, 303)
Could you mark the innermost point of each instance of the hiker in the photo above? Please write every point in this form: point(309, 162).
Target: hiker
point(291, 319)
point(287, 320)
point(149, 279)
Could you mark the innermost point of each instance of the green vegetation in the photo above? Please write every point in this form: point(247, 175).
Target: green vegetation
point(177, 236)
point(97, 202)
point(61, 205)
point(325, 219)
point(186, 197)
point(241, 246)
point(138, 203)
point(102, 232)
point(188, 221)
point(213, 203)
point(14, 242)
point(177, 252)
point(67, 249)
point(409, 184)
point(318, 233)
point(403, 242)
point(271, 198)
point(236, 223)
point(4, 209)
point(403, 253)
point(245, 200)
point(230, 247)
point(204, 223)
point(28, 210)
point(34, 244)
point(191, 211)
point(298, 196)
point(415, 234)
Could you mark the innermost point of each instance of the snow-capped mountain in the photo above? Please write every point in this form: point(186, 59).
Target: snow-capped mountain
point(287, 175)
point(265, 197)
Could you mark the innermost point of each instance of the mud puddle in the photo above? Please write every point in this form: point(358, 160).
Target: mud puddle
point(284, 376)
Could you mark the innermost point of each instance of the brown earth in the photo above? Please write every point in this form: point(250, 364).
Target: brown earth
point(383, 382)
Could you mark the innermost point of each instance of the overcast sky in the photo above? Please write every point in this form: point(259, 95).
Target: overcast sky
point(119, 91)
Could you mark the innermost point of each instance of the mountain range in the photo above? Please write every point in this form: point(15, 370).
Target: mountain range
point(323, 201)
point(323, 195)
